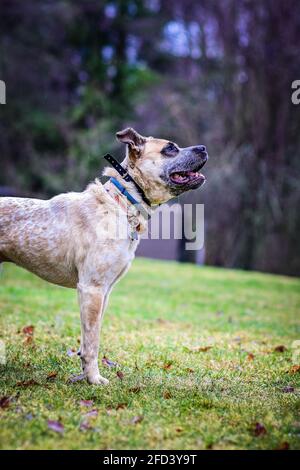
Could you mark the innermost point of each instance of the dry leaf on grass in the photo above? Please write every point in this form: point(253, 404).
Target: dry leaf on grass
point(259, 430)
point(281, 348)
point(288, 389)
point(121, 406)
point(85, 425)
point(56, 426)
point(5, 402)
point(120, 375)
point(92, 413)
point(283, 446)
point(137, 419)
point(28, 333)
point(195, 349)
point(136, 389)
point(294, 369)
point(51, 375)
point(27, 383)
point(28, 330)
point(71, 352)
point(167, 365)
point(87, 403)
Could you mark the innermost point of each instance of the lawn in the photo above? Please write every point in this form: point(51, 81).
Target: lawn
point(205, 360)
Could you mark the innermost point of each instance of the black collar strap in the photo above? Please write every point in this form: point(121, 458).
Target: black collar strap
point(125, 175)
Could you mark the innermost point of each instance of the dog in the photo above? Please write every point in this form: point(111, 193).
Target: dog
point(68, 240)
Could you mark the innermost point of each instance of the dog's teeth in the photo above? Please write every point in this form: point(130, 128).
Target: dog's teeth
point(184, 177)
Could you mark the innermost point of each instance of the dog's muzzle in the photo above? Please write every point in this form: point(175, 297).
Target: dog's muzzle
point(183, 172)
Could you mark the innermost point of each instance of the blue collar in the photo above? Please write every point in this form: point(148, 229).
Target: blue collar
point(124, 191)
point(130, 198)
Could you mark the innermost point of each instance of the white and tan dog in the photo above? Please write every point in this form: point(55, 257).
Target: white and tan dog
point(68, 240)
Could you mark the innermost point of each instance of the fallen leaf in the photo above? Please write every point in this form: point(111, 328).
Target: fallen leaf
point(92, 413)
point(28, 330)
point(250, 357)
point(288, 389)
point(28, 340)
point(51, 375)
point(137, 419)
point(259, 430)
point(167, 395)
point(86, 403)
point(281, 348)
point(120, 375)
point(56, 426)
point(85, 425)
point(76, 378)
point(161, 320)
point(5, 402)
point(204, 348)
point(27, 383)
point(71, 352)
point(136, 389)
point(121, 406)
point(167, 365)
point(294, 369)
point(109, 363)
point(283, 446)
point(198, 348)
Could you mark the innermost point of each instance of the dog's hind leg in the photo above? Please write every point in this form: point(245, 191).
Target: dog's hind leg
point(92, 305)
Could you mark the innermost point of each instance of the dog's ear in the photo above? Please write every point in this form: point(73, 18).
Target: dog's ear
point(133, 139)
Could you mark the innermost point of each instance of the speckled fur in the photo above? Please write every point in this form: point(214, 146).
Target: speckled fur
point(66, 240)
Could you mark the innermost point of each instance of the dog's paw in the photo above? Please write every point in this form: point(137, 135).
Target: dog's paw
point(97, 379)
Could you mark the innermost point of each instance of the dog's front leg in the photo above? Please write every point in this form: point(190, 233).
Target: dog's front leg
point(92, 304)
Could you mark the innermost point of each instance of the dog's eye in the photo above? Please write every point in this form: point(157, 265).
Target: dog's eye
point(170, 150)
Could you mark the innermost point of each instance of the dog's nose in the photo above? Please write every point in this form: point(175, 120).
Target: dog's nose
point(200, 150)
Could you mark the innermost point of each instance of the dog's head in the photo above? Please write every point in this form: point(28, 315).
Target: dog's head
point(161, 167)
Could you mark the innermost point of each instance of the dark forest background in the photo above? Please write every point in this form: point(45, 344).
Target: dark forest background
point(216, 72)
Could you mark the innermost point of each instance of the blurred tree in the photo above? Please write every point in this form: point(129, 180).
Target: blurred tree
point(212, 72)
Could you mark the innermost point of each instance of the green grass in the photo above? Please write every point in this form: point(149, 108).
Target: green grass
point(157, 314)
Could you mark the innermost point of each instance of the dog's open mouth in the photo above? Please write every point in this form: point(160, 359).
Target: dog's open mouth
point(187, 177)
point(184, 174)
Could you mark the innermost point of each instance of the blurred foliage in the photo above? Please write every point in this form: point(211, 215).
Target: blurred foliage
point(212, 72)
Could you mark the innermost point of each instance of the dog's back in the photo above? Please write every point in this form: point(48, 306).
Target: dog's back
point(33, 235)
